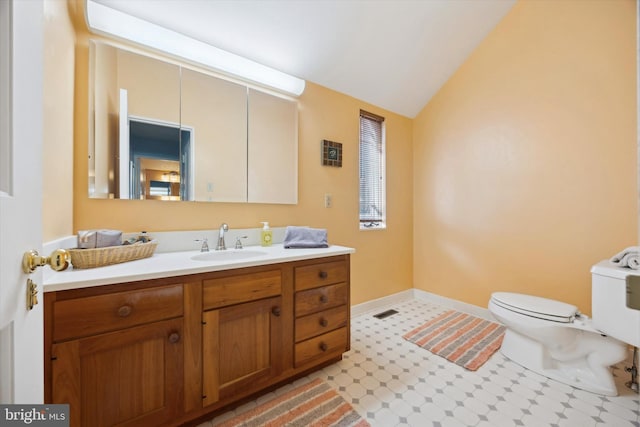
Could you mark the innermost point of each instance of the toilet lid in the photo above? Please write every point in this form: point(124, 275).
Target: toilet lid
point(533, 306)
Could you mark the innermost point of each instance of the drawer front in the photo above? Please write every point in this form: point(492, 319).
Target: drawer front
point(320, 323)
point(86, 316)
point(326, 345)
point(318, 299)
point(316, 275)
point(232, 290)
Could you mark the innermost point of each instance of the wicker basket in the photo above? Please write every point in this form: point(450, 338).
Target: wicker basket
point(99, 257)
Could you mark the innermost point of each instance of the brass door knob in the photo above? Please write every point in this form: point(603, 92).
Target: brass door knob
point(58, 261)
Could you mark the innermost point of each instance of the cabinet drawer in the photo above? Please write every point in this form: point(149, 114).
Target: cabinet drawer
point(320, 323)
point(318, 299)
point(313, 276)
point(102, 313)
point(232, 290)
point(324, 345)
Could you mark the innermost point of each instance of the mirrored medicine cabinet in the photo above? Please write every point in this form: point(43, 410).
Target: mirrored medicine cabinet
point(164, 131)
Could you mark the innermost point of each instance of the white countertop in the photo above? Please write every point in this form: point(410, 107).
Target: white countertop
point(170, 264)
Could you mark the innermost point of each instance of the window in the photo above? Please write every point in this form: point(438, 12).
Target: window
point(372, 171)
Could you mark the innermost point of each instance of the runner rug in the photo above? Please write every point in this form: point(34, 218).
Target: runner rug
point(312, 404)
point(463, 339)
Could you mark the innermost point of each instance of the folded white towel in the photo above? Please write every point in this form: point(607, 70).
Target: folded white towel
point(629, 257)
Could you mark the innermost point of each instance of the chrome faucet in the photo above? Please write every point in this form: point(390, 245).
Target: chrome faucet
point(221, 245)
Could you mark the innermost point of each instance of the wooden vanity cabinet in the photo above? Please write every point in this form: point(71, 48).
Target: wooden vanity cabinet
point(242, 338)
point(170, 351)
point(113, 357)
point(321, 311)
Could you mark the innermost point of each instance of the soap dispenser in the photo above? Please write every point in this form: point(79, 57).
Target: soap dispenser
point(266, 235)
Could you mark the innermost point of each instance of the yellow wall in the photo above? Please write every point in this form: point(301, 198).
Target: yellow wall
point(57, 164)
point(525, 161)
point(518, 175)
point(382, 264)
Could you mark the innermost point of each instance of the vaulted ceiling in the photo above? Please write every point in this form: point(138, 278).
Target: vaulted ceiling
point(395, 54)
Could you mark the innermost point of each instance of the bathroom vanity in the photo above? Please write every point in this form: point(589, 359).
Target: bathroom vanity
point(173, 345)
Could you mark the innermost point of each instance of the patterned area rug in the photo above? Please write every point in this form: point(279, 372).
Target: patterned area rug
point(463, 339)
point(313, 404)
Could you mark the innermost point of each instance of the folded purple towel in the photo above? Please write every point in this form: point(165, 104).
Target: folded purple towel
point(305, 237)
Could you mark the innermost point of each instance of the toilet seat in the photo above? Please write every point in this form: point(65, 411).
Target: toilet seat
point(538, 307)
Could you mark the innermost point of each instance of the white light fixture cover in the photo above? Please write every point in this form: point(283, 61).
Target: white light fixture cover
point(105, 20)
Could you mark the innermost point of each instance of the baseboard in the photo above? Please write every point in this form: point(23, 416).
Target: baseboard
point(481, 312)
point(377, 304)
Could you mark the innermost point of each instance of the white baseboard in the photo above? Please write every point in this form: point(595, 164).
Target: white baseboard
point(377, 304)
point(474, 310)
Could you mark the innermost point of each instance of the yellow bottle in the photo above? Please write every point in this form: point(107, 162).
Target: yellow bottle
point(266, 235)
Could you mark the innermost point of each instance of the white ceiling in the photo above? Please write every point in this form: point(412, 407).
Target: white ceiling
point(395, 54)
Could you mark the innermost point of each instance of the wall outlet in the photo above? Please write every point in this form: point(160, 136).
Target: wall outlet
point(328, 201)
point(209, 187)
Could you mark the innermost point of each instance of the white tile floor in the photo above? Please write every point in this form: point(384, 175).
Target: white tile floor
point(392, 382)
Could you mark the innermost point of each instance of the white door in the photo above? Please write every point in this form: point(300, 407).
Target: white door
point(21, 331)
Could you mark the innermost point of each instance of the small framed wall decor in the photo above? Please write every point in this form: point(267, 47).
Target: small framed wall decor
point(331, 153)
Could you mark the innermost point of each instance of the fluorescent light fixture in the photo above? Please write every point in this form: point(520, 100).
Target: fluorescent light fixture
point(105, 20)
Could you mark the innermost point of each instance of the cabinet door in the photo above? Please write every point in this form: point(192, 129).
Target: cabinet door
point(132, 377)
point(272, 175)
point(216, 110)
point(242, 347)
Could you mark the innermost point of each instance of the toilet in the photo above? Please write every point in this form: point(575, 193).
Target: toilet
point(553, 339)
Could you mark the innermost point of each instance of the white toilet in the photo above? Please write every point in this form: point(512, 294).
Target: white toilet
point(553, 339)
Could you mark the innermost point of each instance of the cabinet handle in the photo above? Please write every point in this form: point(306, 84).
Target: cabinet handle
point(276, 311)
point(174, 337)
point(323, 322)
point(323, 274)
point(324, 299)
point(124, 311)
point(323, 346)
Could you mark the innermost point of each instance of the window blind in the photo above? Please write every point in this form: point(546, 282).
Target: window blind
point(372, 179)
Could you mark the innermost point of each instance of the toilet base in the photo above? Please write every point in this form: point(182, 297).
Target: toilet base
point(582, 372)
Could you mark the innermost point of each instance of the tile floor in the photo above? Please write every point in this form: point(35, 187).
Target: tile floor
point(392, 382)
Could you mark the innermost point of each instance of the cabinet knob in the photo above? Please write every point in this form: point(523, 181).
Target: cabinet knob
point(323, 274)
point(174, 337)
point(124, 311)
point(276, 311)
point(323, 346)
point(324, 298)
point(323, 322)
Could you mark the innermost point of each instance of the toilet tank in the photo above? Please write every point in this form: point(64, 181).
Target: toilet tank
point(609, 309)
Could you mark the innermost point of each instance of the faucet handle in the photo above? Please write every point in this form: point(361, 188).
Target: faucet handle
point(205, 244)
point(239, 242)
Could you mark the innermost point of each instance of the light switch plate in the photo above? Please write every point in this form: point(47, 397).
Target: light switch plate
point(328, 200)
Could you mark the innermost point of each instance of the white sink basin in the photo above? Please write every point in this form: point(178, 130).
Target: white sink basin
point(228, 255)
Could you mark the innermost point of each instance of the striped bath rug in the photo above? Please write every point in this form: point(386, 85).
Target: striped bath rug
point(312, 404)
point(463, 339)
